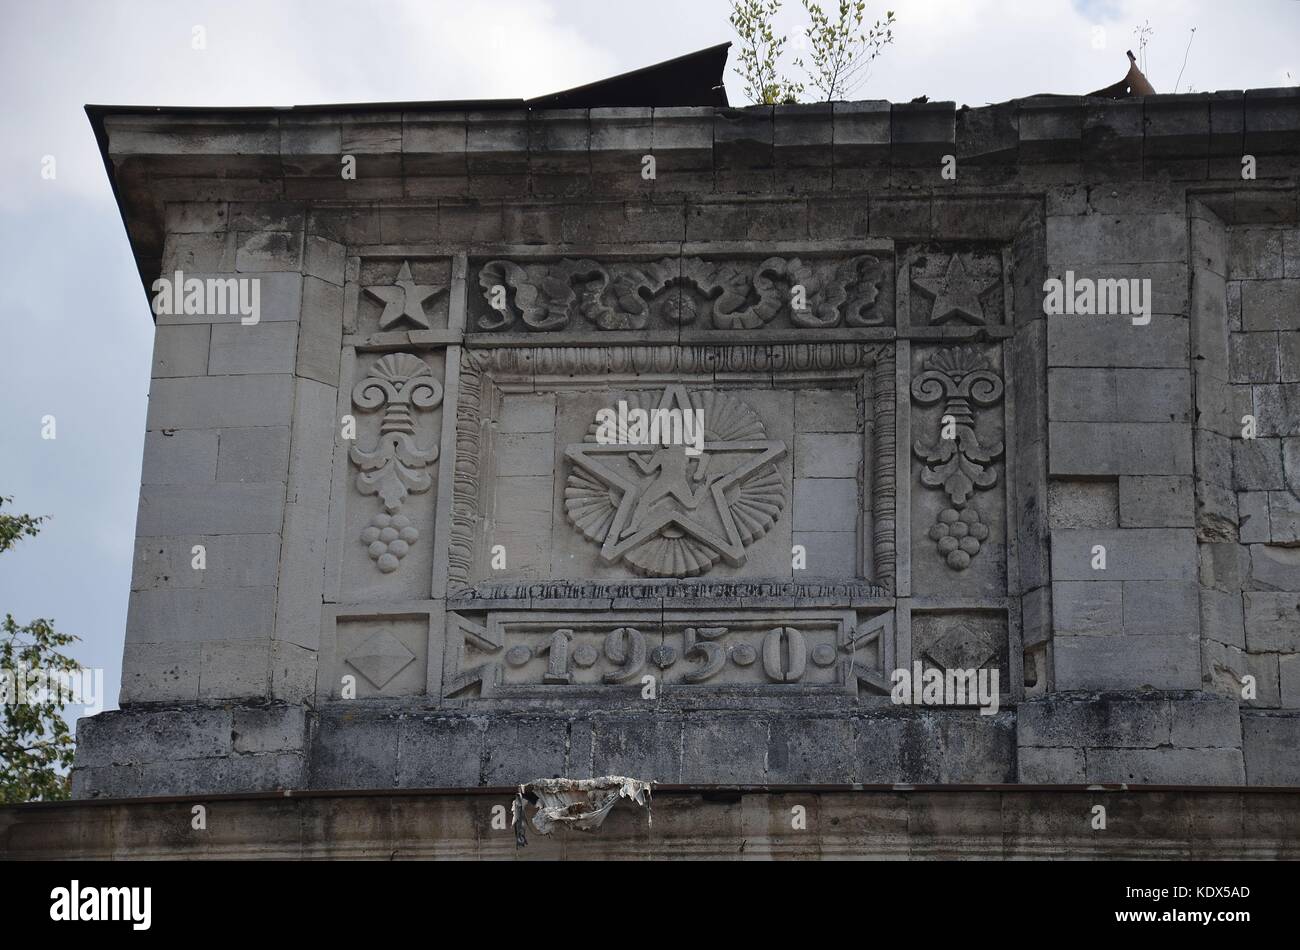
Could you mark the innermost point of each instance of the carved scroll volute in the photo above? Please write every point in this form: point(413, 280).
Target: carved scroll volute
point(959, 464)
point(397, 466)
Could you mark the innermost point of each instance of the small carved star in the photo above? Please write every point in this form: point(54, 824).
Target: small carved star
point(956, 294)
point(404, 299)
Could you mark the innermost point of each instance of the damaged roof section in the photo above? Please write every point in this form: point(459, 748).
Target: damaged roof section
point(575, 803)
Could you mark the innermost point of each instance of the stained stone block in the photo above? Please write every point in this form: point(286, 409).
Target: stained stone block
point(436, 751)
point(157, 672)
point(1222, 618)
point(829, 553)
point(1050, 766)
point(1114, 341)
point(256, 454)
point(1270, 305)
point(171, 734)
point(1252, 517)
point(1107, 722)
point(1272, 621)
point(261, 348)
point(825, 410)
point(1257, 464)
point(1116, 238)
point(828, 455)
point(1254, 253)
point(518, 750)
point(532, 413)
point(714, 749)
point(1140, 662)
point(187, 457)
point(271, 728)
point(293, 673)
point(1289, 354)
point(824, 504)
point(234, 669)
point(648, 748)
point(268, 251)
point(167, 616)
point(1289, 680)
point(1130, 554)
point(1271, 748)
point(169, 510)
point(1277, 409)
point(1166, 766)
point(319, 331)
point(1080, 504)
point(217, 401)
point(1119, 448)
point(1088, 607)
point(807, 750)
point(324, 259)
point(1156, 501)
point(230, 561)
point(1119, 395)
point(1161, 607)
point(354, 752)
point(1284, 517)
point(180, 350)
point(1274, 568)
point(527, 453)
point(1254, 357)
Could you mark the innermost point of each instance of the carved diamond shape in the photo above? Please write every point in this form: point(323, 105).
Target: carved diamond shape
point(380, 658)
point(961, 648)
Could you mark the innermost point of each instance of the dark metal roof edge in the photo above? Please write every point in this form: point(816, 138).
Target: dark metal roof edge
point(704, 57)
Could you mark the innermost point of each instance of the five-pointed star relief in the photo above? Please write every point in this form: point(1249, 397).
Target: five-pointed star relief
point(684, 492)
point(404, 298)
point(956, 294)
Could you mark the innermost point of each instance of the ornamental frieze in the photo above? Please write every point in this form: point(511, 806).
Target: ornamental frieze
point(671, 293)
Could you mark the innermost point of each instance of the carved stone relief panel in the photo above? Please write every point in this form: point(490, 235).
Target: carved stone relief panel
point(557, 477)
point(504, 654)
point(958, 468)
point(965, 640)
point(386, 538)
point(400, 295)
point(682, 294)
point(953, 286)
point(376, 656)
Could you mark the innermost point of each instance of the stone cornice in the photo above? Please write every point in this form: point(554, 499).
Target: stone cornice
point(505, 151)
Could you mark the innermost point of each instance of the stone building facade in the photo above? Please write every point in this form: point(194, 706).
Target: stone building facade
point(426, 566)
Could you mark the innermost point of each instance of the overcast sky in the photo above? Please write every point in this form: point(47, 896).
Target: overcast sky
point(75, 329)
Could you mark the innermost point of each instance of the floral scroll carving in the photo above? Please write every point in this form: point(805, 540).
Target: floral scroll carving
point(958, 463)
point(668, 293)
point(400, 384)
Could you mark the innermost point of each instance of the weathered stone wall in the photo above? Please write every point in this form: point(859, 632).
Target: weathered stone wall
point(893, 824)
point(489, 281)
